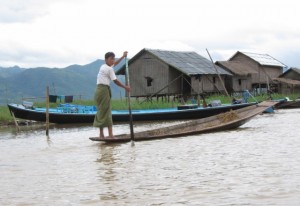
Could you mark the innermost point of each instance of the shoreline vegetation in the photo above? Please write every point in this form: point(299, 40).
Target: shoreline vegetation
point(121, 104)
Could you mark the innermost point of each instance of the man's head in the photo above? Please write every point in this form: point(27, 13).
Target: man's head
point(110, 58)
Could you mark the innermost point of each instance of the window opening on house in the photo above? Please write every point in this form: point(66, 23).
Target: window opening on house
point(240, 82)
point(149, 81)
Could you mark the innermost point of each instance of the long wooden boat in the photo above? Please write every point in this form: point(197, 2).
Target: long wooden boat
point(220, 122)
point(76, 114)
point(288, 104)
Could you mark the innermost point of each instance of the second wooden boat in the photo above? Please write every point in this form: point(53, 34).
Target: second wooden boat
point(288, 104)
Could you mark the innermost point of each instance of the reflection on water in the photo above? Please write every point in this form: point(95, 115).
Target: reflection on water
point(257, 164)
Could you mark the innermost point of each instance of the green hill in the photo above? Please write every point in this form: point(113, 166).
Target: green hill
point(17, 83)
point(10, 71)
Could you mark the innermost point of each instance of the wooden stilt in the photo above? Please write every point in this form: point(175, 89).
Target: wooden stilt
point(198, 100)
point(173, 101)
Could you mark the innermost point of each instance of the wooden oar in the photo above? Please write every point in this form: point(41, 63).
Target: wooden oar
point(129, 104)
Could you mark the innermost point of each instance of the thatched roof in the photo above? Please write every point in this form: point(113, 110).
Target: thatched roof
point(236, 67)
point(287, 81)
point(189, 63)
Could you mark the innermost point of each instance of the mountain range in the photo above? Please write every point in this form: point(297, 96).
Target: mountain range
point(17, 83)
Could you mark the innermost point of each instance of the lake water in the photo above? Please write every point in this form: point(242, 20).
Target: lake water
point(257, 164)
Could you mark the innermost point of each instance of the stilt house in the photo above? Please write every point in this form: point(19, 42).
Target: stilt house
point(289, 81)
point(166, 73)
point(266, 68)
point(241, 79)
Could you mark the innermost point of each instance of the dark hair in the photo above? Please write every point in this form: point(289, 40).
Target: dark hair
point(109, 54)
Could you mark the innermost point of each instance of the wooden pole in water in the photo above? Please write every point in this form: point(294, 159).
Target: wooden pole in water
point(47, 111)
point(16, 122)
point(129, 103)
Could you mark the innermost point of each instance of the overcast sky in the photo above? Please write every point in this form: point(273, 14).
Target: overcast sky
point(58, 33)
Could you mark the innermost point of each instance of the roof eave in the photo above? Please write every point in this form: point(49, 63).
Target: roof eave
point(122, 71)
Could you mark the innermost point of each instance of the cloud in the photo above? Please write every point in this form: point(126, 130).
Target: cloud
point(12, 11)
point(31, 56)
point(20, 11)
point(62, 32)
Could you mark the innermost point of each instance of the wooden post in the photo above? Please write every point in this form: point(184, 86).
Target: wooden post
point(220, 78)
point(16, 122)
point(198, 100)
point(173, 101)
point(47, 111)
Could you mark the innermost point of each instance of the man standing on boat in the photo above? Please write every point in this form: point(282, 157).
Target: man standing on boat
point(106, 74)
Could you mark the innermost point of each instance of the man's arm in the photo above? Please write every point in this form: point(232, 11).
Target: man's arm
point(117, 82)
point(119, 60)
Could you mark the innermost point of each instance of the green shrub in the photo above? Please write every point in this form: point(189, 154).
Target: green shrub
point(5, 114)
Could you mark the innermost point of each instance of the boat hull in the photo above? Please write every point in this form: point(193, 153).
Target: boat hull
point(288, 105)
point(221, 122)
point(71, 118)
